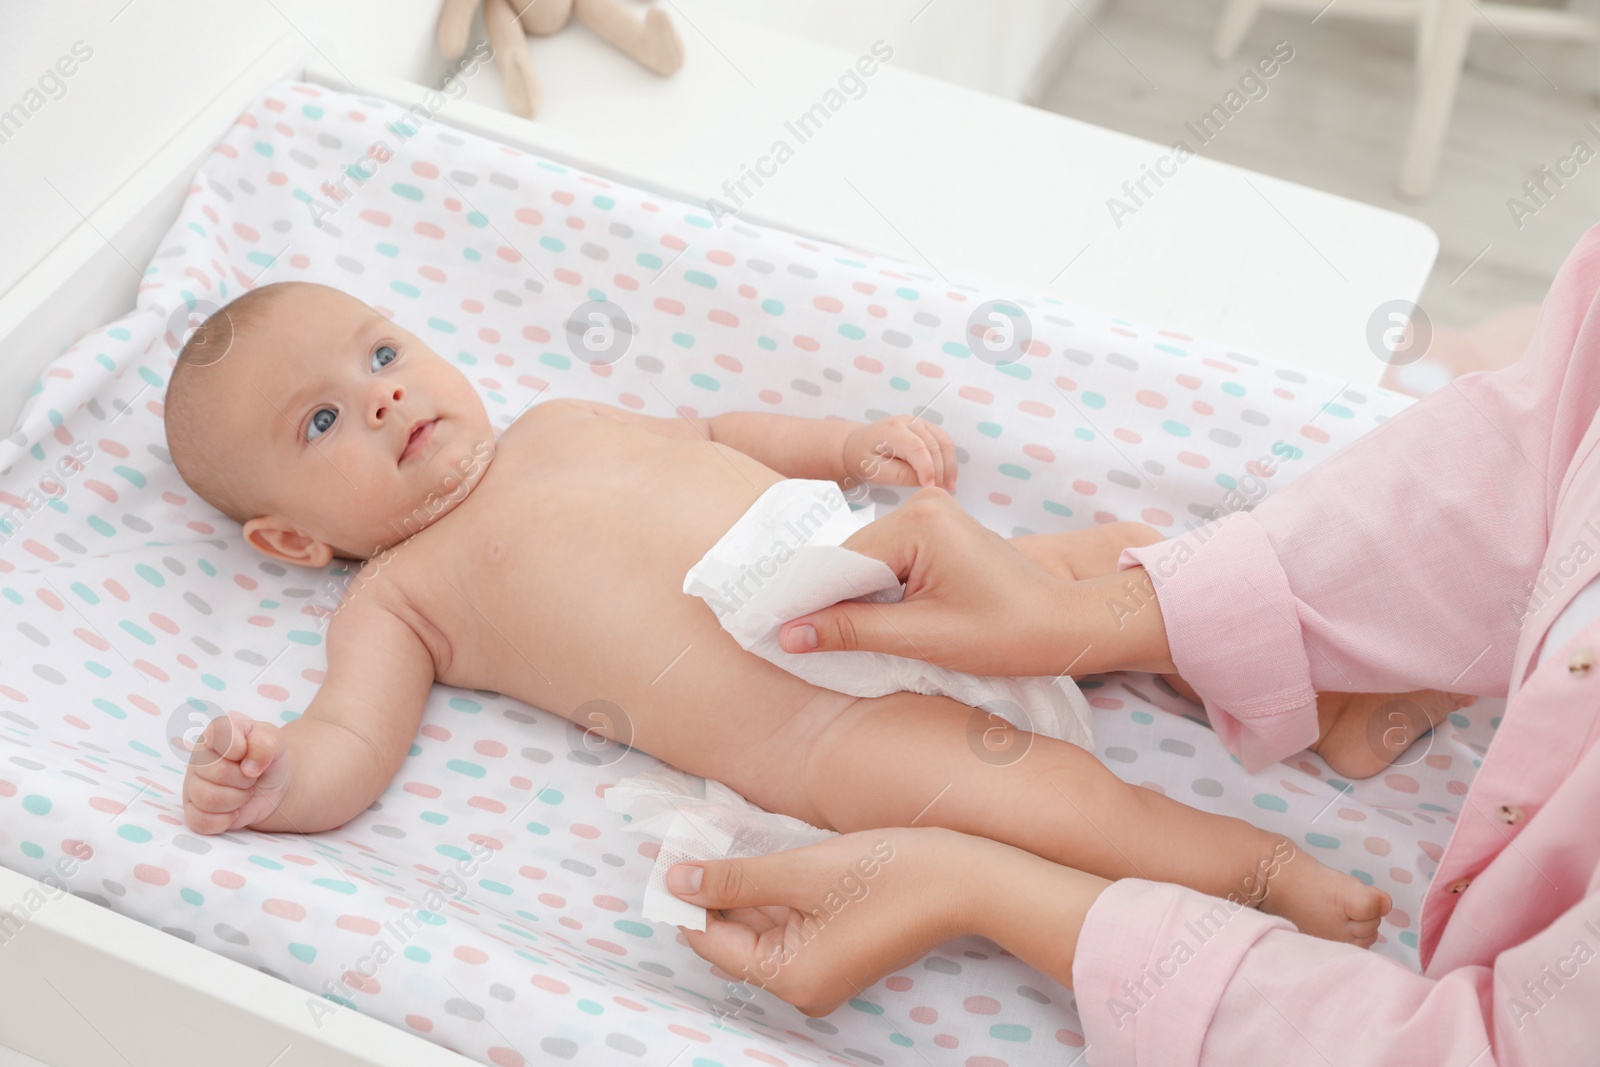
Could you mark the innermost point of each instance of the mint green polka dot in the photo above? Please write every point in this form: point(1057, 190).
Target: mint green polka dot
point(461, 766)
point(463, 704)
point(32, 851)
point(337, 885)
point(303, 953)
point(705, 381)
point(191, 897)
point(269, 864)
point(772, 307)
point(1233, 388)
point(418, 955)
point(637, 929)
point(1093, 400)
point(589, 1007)
point(437, 818)
point(1270, 802)
point(38, 805)
point(1322, 840)
point(1177, 429)
point(1010, 1032)
point(137, 834)
point(552, 244)
point(1011, 470)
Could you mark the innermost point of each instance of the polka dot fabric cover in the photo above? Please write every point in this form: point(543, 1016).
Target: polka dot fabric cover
point(488, 901)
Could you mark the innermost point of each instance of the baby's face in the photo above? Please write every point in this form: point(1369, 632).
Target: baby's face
point(349, 425)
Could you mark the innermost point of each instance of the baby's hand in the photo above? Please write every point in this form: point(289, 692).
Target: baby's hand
point(901, 450)
point(238, 773)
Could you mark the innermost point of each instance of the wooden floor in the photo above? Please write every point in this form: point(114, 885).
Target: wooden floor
point(1336, 118)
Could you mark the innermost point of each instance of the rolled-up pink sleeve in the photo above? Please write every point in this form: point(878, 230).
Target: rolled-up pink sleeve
point(1399, 562)
point(1168, 976)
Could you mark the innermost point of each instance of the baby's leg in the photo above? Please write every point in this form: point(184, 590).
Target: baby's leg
point(905, 759)
point(1359, 734)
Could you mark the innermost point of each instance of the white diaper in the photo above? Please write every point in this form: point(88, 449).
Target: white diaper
point(781, 560)
point(784, 559)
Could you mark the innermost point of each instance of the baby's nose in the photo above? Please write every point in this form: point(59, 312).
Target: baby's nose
point(384, 399)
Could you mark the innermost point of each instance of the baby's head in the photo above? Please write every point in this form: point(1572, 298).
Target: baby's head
point(323, 427)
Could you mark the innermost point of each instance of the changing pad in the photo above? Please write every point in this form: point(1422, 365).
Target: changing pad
point(489, 901)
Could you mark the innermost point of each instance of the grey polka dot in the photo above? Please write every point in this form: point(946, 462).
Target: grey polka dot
point(230, 935)
point(221, 190)
point(594, 251)
point(464, 1009)
point(248, 186)
point(800, 385)
point(1207, 787)
point(96, 898)
point(255, 659)
point(49, 674)
point(1117, 359)
point(1154, 467)
point(20, 720)
point(971, 955)
point(1254, 417)
point(1123, 478)
point(71, 544)
point(822, 1026)
point(385, 830)
point(1355, 397)
point(1057, 320)
point(350, 263)
point(1032, 994)
point(1176, 747)
point(185, 935)
point(578, 867)
point(833, 375)
point(505, 181)
point(31, 632)
point(509, 298)
point(328, 140)
point(463, 177)
point(192, 844)
point(858, 1054)
point(197, 604)
point(611, 860)
point(518, 716)
point(655, 968)
point(116, 889)
point(800, 270)
point(620, 229)
point(896, 338)
point(1121, 754)
point(283, 225)
point(81, 777)
point(560, 1047)
point(305, 159)
point(34, 765)
point(538, 755)
point(1291, 375)
point(1248, 361)
point(623, 1043)
point(1224, 437)
point(500, 991)
point(649, 363)
point(1077, 356)
point(925, 318)
point(272, 568)
point(760, 266)
point(533, 285)
point(941, 965)
point(1401, 819)
point(94, 409)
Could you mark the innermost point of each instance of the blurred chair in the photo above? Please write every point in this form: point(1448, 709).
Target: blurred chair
point(1443, 29)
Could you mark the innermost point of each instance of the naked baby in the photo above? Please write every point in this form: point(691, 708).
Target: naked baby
point(553, 574)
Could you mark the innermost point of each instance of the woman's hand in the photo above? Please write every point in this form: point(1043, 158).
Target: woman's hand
point(901, 450)
point(817, 925)
point(974, 603)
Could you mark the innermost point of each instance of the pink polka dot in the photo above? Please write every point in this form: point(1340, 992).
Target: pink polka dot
point(468, 954)
point(1402, 919)
point(422, 789)
point(284, 909)
point(899, 983)
point(584, 830)
point(1400, 874)
point(1033, 407)
point(1070, 1037)
point(1083, 488)
point(1127, 435)
point(151, 874)
point(420, 1023)
point(1039, 452)
point(227, 879)
point(762, 1057)
point(81, 850)
point(1193, 459)
point(946, 1040)
point(1156, 517)
point(1401, 783)
point(1150, 398)
point(924, 1014)
point(689, 1032)
point(357, 923)
point(1378, 846)
point(551, 900)
point(492, 749)
point(982, 1005)
point(362, 983)
point(506, 1057)
point(438, 733)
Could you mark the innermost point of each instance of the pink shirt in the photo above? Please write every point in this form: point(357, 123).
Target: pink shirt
point(1433, 552)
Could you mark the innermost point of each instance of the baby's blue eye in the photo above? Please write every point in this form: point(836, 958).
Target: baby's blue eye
point(382, 356)
point(321, 423)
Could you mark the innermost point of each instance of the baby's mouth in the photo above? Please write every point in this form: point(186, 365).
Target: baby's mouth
point(421, 434)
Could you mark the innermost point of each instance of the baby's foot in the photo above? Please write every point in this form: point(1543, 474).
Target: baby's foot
point(1362, 733)
point(1321, 901)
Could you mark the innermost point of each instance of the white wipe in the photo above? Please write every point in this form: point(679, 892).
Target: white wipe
point(783, 559)
point(698, 819)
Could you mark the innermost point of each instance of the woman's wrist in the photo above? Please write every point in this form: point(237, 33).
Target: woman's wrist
point(1113, 623)
point(1031, 907)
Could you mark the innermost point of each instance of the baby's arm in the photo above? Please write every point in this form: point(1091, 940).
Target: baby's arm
point(327, 766)
point(899, 450)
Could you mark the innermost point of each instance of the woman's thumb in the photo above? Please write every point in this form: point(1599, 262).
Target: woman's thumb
point(714, 884)
point(849, 627)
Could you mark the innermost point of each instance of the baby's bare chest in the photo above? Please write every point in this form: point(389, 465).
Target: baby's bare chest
point(566, 562)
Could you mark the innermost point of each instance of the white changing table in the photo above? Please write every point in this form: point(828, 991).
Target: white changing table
point(976, 187)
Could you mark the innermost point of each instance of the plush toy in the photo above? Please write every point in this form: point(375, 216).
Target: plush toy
point(653, 41)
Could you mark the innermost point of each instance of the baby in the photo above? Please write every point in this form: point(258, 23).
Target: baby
point(548, 564)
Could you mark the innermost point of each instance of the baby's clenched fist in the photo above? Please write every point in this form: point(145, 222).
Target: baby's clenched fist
point(238, 772)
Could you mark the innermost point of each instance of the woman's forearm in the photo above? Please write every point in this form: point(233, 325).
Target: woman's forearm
point(1116, 623)
point(1031, 907)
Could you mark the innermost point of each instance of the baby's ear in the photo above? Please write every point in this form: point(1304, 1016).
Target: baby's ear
point(278, 538)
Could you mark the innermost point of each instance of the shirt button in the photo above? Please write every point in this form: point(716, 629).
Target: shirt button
point(1509, 813)
point(1456, 887)
point(1581, 660)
